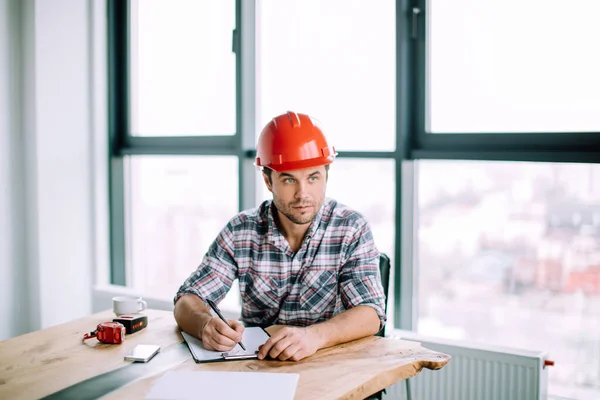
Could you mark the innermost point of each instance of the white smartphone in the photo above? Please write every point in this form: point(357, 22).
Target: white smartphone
point(142, 352)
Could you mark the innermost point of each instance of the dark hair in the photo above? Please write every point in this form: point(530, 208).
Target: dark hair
point(268, 171)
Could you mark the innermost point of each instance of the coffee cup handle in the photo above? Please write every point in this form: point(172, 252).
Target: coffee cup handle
point(142, 305)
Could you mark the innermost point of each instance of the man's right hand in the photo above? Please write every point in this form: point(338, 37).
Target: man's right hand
point(217, 336)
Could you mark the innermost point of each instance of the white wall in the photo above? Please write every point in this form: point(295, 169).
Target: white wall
point(46, 158)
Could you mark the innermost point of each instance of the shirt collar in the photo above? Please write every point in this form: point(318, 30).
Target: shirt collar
point(316, 222)
point(275, 235)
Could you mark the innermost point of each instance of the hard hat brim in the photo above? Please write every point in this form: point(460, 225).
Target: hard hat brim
point(301, 164)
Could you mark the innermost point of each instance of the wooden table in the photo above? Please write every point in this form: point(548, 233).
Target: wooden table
point(52, 360)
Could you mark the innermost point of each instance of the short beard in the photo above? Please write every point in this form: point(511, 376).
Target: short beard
point(284, 210)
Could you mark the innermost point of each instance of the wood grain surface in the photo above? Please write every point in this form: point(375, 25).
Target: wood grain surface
point(43, 362)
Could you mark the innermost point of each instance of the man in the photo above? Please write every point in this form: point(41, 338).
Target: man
point(302, 260)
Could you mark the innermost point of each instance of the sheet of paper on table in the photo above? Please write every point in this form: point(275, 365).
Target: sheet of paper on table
point(224, 385)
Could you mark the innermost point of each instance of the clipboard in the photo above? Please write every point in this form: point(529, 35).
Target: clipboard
point(252, 339)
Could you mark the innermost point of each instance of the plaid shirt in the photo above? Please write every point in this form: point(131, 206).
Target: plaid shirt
point(335, 269)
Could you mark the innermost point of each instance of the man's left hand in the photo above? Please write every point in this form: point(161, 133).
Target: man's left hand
point(290, 343)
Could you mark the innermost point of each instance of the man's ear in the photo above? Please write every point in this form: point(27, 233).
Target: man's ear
point(266, 179)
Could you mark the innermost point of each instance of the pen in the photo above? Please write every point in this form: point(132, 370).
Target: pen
point(216, 309)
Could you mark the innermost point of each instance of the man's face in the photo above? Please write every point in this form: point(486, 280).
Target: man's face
point(298, 194)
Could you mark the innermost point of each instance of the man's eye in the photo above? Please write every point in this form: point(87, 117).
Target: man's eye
point(288, 180)
point(313, 178)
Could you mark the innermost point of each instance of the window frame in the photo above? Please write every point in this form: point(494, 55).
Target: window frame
point(122, 143)
point(412, 140)
point(240, 144)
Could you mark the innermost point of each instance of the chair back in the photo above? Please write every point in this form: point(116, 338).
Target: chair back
point(384, 271)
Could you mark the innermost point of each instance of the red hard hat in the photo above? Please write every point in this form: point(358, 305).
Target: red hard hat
point(293, 141)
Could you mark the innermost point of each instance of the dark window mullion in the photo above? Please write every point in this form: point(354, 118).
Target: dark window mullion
point(180, 145)
point(177, 151)
point(118, 73)
point(367, 154)
point(504, 155)
point(551, 141)
point(407, 96)
point(118, 126)
point(417, 76)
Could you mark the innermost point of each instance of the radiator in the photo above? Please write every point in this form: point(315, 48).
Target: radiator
point(476, 372)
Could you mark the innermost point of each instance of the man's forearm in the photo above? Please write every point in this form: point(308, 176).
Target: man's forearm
point(191, 314)
point(352, 324)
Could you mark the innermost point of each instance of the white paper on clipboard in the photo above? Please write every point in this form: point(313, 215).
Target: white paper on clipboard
point(253, 337)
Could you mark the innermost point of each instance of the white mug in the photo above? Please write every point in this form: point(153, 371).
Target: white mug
point(128, 305)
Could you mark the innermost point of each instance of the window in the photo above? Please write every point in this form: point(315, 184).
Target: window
point(177, 206)
point(509, 254)
point(507, 250)
point(512, 66)
point(183, 141)
point(182, 68)
point(339, 77)
point(175, 137)
point(376, 202)
point(336, 75)
point(503, 80)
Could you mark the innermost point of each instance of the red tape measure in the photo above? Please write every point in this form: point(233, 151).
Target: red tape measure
point(108, 332)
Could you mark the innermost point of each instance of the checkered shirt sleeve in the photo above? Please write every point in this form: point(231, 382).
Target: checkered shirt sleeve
point(360, 281)
point(215, 275)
